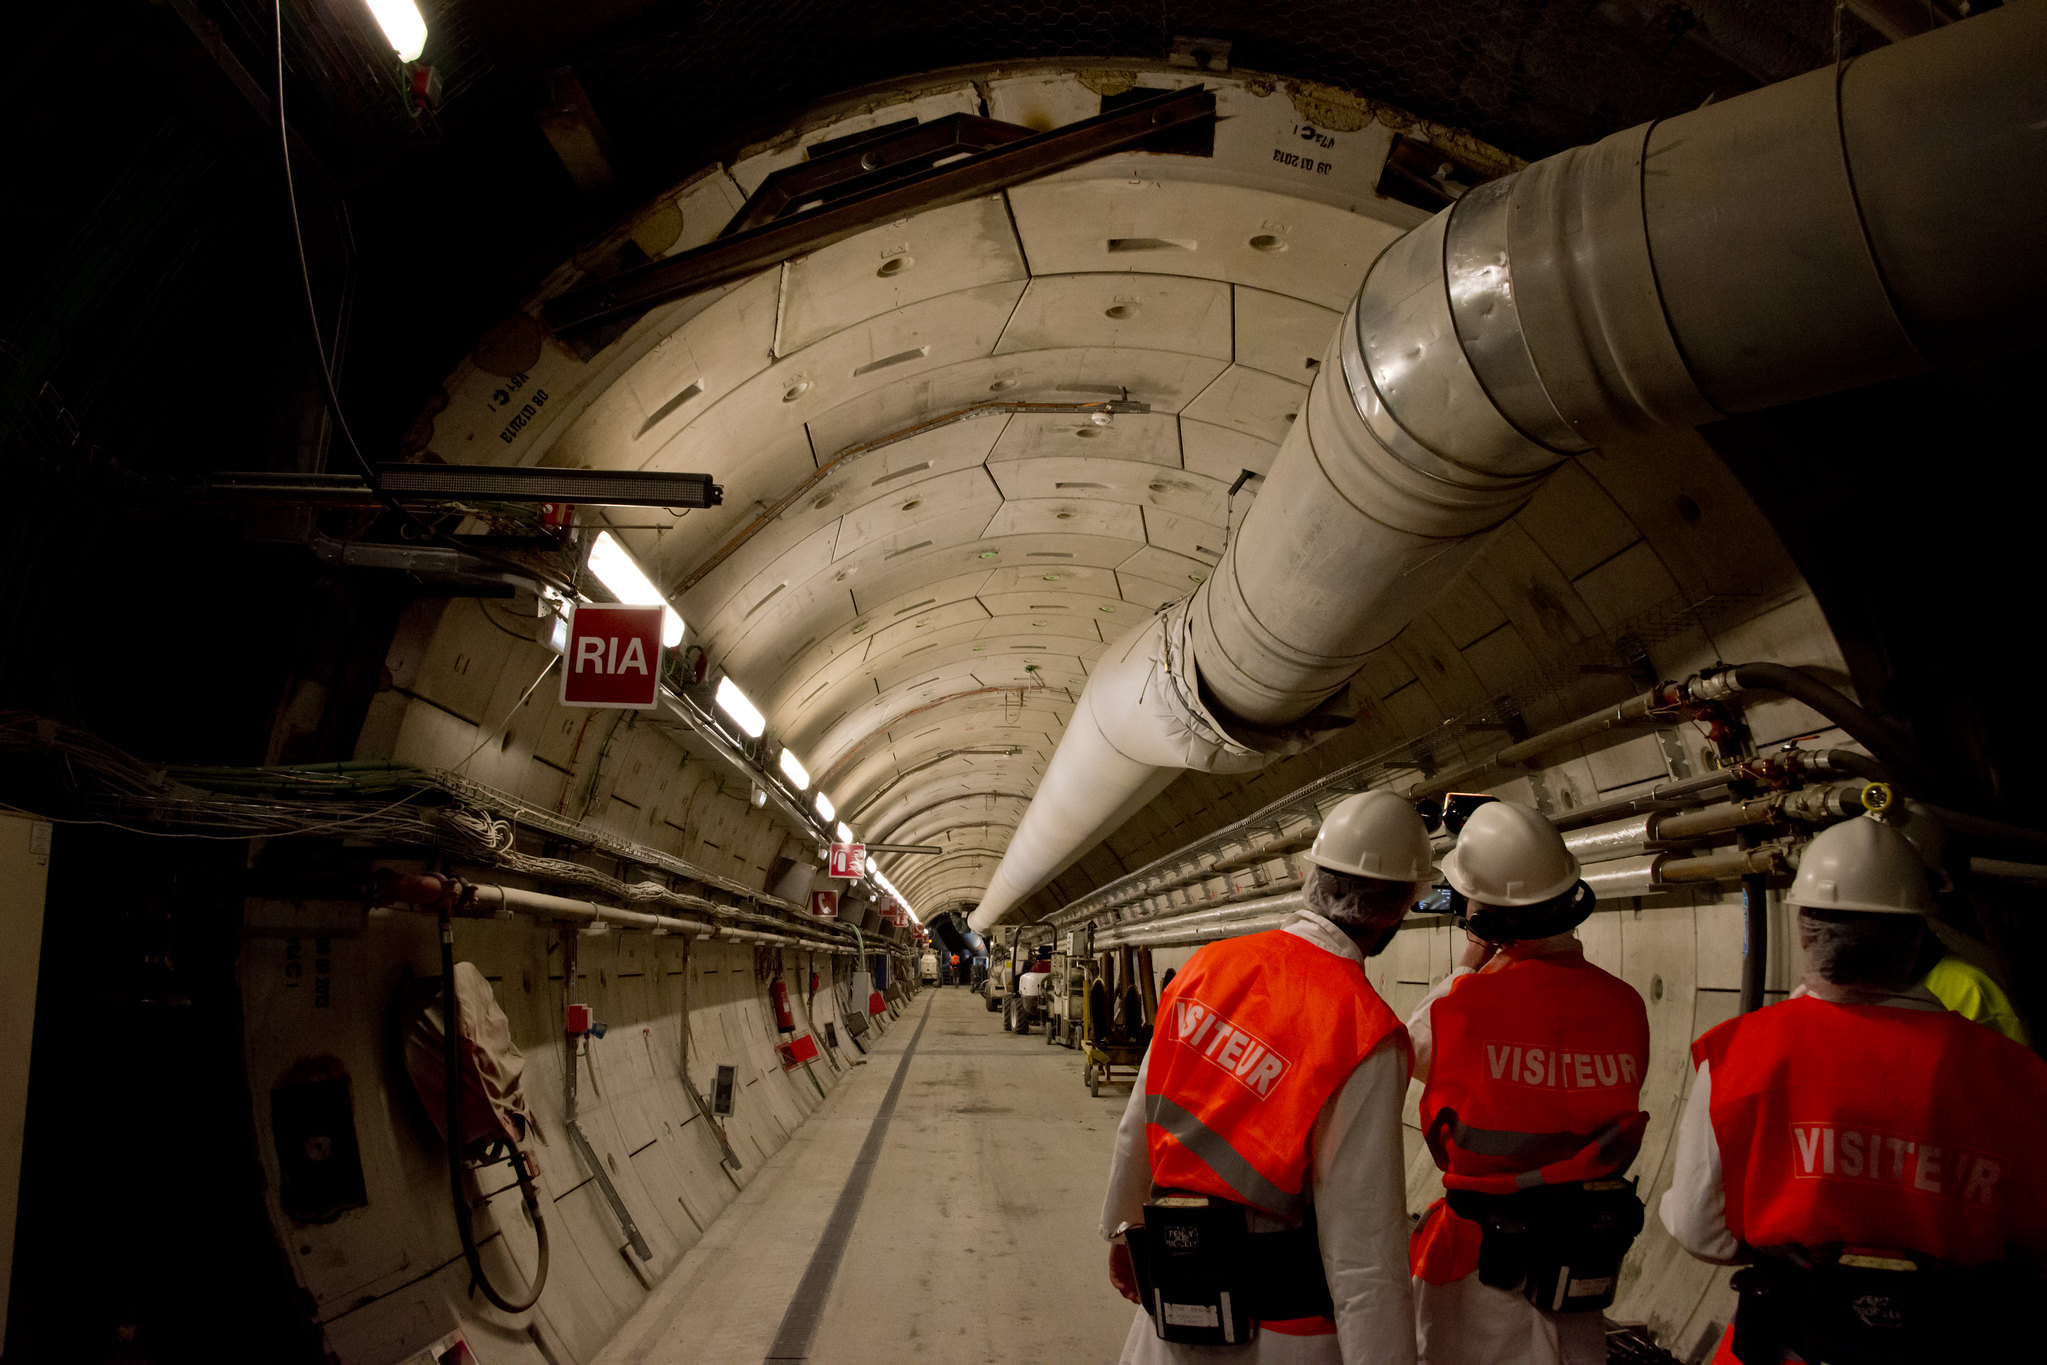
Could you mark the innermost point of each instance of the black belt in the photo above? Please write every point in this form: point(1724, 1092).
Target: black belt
point(1560, 1245)
point(1206, 1280)
point(1876, 1309)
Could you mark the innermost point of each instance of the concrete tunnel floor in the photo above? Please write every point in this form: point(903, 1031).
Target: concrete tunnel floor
point(974, 1240)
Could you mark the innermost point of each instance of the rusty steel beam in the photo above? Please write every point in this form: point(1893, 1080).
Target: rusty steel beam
point(633, 292)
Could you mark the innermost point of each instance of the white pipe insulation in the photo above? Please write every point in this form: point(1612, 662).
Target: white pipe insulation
point(1832, 231)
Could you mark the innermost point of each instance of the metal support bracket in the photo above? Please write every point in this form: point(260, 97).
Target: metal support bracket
point(630, 293)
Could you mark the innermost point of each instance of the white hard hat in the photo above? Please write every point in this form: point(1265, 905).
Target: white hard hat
point(1510, 855)
point(1862, 864)
point(1374, 834)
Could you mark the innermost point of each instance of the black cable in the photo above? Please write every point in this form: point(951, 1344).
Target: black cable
point(333, 395)
point(483, 605)
point(1755, 940)
point(1859, 724)
point(451, 1012)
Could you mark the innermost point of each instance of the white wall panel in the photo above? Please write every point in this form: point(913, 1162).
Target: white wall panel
point(894, 266)
point(1248, 236)
point(1152, 312)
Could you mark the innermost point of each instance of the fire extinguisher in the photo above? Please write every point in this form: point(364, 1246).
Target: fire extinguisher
point(785, 1018)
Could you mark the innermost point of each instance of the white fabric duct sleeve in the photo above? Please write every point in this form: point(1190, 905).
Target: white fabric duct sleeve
point(1358, 1177)
point(1807, 238)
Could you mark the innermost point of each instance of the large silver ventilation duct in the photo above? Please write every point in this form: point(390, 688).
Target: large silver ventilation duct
point(1826, 233)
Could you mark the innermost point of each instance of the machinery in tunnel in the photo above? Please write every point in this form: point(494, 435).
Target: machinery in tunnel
point(1056, 461)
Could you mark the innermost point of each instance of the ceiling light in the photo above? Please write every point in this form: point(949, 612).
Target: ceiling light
point(825, 807)
point(873, 871)
point(794, 770)
point(845, 832)
point(733, 703)
point(402, 26)
point(616, 570)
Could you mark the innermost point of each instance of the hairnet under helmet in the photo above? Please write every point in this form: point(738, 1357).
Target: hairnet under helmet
point(1374, 834)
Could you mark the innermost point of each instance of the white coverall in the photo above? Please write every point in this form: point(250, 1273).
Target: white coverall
point(1694, 1208)
point(1469, 1323)
point(1357, 1183)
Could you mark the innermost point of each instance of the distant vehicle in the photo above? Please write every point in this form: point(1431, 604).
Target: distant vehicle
point(1028, 947)
point(928, 969)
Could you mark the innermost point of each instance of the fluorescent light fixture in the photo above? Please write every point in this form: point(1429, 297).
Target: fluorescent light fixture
point(825, 807)
point(402, 26)
point(733, 703)
point(845, 832)
point(616, 570)
point(874, 871)
point(794, 770)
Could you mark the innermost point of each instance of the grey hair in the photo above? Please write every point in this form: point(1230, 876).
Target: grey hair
point(1364, 903)
point(1851, 948)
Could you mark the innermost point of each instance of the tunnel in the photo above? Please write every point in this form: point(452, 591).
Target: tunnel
point(650, 523)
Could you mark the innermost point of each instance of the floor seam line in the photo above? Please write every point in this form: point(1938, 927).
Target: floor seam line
point(806, 1306)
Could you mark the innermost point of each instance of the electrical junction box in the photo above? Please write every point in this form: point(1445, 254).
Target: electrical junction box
point(578, 1021)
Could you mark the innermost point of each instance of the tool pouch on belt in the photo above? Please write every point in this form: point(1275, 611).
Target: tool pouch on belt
point(1206, 1281)
point(1560, 1245)
point(1869, 1310)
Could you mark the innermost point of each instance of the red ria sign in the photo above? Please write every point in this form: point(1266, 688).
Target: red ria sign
point(614, 656)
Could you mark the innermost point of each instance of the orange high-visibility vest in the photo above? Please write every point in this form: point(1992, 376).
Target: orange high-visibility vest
point(1253, 1037)
point(1878, 1127)
point(1537, 1079)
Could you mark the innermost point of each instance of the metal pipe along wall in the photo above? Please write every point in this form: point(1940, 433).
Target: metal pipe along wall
point(1818, 235)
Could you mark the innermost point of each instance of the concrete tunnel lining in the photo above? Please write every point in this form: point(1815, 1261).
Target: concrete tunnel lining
point(961, 589)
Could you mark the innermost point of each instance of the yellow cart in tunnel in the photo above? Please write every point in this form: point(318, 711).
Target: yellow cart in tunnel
point(1102, 1057)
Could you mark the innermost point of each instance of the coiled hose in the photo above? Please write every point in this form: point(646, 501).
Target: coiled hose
point(460, 1197)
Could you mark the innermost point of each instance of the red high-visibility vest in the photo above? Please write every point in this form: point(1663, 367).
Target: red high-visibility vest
point(1878, 1127)
point(1253, 1037)
point(1537, 1079)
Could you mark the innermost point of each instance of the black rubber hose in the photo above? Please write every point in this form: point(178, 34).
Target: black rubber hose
point(1802, 686)
point(451, 1011)
point(1853, 764)
point(1755, 941)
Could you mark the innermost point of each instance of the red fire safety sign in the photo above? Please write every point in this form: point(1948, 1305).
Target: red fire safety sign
point(824, 904)
point(614, 656)
point(848, 861)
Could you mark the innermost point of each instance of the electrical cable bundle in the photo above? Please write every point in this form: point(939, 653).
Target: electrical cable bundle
point(388, 802)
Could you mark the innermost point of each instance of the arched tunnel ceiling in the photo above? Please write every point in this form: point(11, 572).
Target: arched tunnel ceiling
point(916, 618)
point(913, 571)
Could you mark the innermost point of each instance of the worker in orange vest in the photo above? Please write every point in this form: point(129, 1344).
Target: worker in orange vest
point(1871, 1155)
point(1532, 1060)
point(1257, 1200)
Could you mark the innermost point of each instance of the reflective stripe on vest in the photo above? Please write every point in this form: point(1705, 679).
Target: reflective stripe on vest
point(1253, 1037)
point(1537, 1075)
point(1564, 1157)
point(1876, 1126)
point(1240, 1175)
